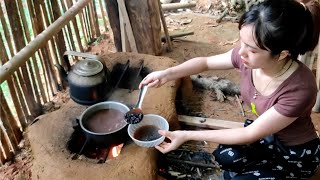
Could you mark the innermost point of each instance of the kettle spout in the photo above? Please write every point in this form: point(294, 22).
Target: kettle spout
point(62, 72)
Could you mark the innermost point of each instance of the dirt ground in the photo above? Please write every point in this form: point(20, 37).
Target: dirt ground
point(209, 38)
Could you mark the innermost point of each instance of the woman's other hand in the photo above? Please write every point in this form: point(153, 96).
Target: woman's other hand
point(154, 79)
point(177, 139)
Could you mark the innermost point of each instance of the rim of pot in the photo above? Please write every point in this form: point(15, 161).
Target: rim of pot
point(91, 108)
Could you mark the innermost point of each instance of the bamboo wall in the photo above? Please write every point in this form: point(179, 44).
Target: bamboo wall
point(36, 82)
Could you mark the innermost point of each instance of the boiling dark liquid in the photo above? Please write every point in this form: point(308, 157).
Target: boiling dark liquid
point(147, 133)
point(105, 121)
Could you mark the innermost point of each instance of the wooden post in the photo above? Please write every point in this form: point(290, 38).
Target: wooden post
point(144, 18)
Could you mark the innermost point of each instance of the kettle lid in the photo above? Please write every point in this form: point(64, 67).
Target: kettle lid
point(88, 67)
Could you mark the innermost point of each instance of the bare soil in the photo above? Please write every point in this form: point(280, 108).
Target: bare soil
point(209, 38)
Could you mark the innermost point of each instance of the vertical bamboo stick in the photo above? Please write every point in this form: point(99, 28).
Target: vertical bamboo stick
point(16, 28)
point(90, 18)
point(87, 23)
point(6, 32)
point(69, 30)
point(34, 73)
point(51, 50)
point(34, 21)
point(12, 89)
point(103, 14)
point(45, 58)
point(5, 145)
point(10, 121)
point(83, 30)
point(75, 27)
point(5, 120)
point(61, 44)
point(19, 75)
point(95, 19)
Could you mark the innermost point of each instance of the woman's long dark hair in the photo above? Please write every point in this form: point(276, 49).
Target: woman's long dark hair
point(283, 25)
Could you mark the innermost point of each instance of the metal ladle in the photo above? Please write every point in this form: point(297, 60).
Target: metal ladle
point(135, 115)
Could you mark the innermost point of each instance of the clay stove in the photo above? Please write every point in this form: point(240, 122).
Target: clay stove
point(49, 135)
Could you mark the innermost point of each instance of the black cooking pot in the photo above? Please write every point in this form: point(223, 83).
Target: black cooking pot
point(87, 79)
point(104, 124)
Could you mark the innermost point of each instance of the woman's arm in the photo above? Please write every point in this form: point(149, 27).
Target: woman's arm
point(268, 123)
point(190, 67)
point(200, 64)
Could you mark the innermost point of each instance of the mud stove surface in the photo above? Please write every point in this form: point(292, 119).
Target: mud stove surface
point(49, 136)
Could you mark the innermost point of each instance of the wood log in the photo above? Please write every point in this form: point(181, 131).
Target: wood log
point(174, 6)
point(208, 122)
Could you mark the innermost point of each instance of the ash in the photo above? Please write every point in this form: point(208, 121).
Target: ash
point(222, 87)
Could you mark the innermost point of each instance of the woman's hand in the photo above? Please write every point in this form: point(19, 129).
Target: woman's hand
point(177, 139)
point(155, 79)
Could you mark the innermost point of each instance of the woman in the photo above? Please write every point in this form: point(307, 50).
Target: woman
point(281, 142)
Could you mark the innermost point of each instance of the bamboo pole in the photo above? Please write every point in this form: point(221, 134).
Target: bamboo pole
point(10, 123)
point(90, 15)
point(34, 73)
point(68, 30)
point(103, 14)
point(46, 59)
point(88, 25)
point(95, 19)
point(83, 28)
point(6, 125)
point(75, 27)
point(44, 93)
point(12, 89)
point(19, 43)
point(19, 86)
point(6, 32)
point(22, 56)
point(59, 39)
point(5, 144)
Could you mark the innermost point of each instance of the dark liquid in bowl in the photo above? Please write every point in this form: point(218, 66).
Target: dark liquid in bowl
point(147, 133)
point(105, 121)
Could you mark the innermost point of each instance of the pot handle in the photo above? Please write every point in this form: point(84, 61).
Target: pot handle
point(78, 54)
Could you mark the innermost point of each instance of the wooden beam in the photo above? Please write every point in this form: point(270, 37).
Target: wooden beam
point(174, 6)
point(208, 122)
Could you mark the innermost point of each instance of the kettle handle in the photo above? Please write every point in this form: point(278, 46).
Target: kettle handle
point(77, 54)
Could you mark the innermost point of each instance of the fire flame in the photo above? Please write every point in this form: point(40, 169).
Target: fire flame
point(116, 150)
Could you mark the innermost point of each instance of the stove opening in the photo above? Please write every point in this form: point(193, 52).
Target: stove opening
point(79, 146)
